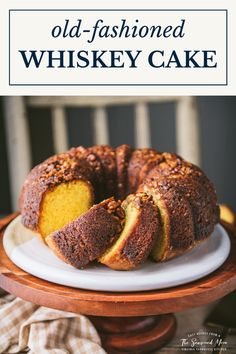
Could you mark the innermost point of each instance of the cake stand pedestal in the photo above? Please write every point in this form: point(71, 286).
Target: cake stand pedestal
point(135, 322)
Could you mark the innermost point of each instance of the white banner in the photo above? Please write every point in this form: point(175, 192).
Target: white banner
point(117, 50)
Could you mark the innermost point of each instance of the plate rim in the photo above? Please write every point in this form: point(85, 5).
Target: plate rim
point(118, 287)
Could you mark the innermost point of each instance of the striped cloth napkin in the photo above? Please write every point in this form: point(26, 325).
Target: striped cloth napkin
point(26, 327)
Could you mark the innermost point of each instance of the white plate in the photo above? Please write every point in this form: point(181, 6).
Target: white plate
point(25, 249)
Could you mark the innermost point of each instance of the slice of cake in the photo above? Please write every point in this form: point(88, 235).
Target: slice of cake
point(87, 237)
point(138, 236)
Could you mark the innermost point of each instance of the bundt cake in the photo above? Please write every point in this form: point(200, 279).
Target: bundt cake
point(164, 205)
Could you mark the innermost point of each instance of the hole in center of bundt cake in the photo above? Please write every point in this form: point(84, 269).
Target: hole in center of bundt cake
point(63, 204)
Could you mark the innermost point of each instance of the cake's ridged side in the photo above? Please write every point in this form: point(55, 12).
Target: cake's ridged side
point(191, 182)
point(177, 219)
point(123, 155)
point(203, 204)
point(87, 238)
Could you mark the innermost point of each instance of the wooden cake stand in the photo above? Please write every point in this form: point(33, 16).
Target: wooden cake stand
point(136, 322)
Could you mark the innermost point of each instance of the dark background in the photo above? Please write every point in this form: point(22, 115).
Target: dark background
point(218, 141)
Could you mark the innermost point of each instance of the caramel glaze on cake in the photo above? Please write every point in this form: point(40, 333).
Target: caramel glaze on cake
point(87, 238)
point(170, 205)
